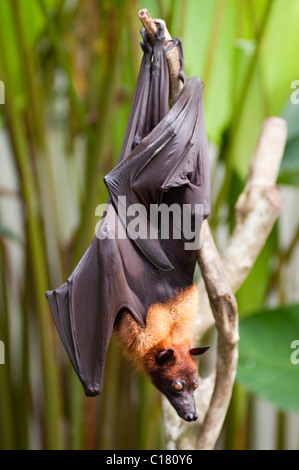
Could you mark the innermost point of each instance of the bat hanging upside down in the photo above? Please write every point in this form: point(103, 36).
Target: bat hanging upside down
point(142, 286)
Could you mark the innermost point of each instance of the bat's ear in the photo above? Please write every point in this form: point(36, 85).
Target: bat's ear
point(164, 356)
point(198, 351)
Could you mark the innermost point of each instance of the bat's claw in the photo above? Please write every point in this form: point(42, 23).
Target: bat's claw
point(146, 46)
point(160, 36)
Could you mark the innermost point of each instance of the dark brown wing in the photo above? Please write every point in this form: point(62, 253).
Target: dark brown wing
point(84, 308)
point(174, 154)
point(161, 151)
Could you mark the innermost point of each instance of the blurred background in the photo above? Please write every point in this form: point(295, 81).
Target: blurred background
point(69, 70)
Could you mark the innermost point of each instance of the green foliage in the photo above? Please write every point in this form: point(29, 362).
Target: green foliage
point(254, 290)
point(265, 365)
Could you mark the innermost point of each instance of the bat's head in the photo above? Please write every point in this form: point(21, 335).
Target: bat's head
point(174, 372)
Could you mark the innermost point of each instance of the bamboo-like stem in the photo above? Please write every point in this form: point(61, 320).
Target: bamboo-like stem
point(38, 262)
point(237, 115)
point(237, 421)
point(97, 147)
point(62, 57)
point(40, 147)
point(183, 16)
point(76, 411)
point(214, 34)
point(111, 398)
point(244, 90)
point(145, 415)
point(24, 398)
point(7, 427)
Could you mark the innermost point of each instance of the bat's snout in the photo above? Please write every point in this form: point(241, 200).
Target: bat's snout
point(191, 417)
point(185, 407)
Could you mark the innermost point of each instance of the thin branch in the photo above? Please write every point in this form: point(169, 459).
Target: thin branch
point(225, 311)
point(257, 210)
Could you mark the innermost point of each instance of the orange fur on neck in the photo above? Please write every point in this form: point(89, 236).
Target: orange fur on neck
point(166, 324)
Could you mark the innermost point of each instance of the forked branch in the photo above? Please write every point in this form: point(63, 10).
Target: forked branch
point(257, 210)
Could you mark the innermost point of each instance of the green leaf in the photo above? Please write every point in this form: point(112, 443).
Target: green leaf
point(253, 291)
point(265, 365)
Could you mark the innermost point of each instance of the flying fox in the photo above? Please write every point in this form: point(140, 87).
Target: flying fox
point(142, 288)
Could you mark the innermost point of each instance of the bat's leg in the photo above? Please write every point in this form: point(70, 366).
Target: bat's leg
point(182, 74)
point(145, 81)
point(159, 88)
point(177, 42)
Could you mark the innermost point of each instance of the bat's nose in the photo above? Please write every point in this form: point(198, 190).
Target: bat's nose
point(191, 417)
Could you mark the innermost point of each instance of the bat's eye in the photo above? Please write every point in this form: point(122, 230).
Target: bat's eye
point(178, 386)
point(195, 384)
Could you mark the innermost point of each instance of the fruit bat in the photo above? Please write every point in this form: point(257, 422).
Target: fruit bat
point(163, 162)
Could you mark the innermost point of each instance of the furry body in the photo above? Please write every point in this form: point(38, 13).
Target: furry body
point(142, 287)
point(166, 324)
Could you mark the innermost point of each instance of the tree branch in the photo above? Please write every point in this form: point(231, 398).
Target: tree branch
point(172, 56)
point(256, 212)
